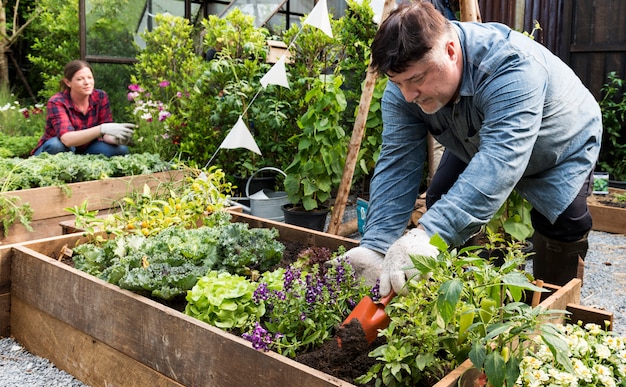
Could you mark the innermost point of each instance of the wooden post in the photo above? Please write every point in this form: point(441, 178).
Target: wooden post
point(469, 10)
point(355, 141)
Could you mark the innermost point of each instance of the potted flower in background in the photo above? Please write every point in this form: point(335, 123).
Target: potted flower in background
point(318, 165)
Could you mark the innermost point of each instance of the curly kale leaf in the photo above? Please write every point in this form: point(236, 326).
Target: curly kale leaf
point(244, 249)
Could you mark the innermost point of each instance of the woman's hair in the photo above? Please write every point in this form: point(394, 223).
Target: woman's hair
point(407, 36)
point(70, 69)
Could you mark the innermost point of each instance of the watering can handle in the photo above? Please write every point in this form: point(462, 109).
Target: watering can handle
point(254, 174)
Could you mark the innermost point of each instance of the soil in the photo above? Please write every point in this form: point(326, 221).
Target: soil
point(348, 361)
point(610, 200)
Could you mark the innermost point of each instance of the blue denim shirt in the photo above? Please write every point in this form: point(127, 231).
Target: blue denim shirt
point(523, 121)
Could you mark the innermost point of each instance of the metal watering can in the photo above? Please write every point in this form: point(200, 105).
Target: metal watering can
point(266, 203)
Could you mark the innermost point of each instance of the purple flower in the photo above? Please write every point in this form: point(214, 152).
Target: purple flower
point(164, 84)
point(260, 338)
point(290, 276)
point(261, 293)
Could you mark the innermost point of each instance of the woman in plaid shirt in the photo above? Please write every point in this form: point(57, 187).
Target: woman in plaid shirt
point(79, 119)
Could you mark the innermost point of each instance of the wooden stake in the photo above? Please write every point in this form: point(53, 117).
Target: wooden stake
point(469, 10)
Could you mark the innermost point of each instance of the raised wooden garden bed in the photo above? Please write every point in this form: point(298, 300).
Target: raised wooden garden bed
point(608, 218)
point(106, 336)
point(49, 203)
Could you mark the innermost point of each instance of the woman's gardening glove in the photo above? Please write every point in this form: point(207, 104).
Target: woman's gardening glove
point(397, 266)
point(122, 132)
point(365, 262)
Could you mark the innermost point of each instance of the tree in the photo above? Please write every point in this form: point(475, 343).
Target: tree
point(6, 40)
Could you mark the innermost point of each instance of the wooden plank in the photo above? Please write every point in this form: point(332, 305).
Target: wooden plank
point(589, 315)
point(566, 294)
point(607, 218)
point(180, 347)
point(5, 314)
point(79, 354)
point(290, 232)
point(5, 269)
point(5, 288)
point(50, 202)
point(452, 379)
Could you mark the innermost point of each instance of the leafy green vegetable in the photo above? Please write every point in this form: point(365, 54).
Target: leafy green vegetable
point(168, 264)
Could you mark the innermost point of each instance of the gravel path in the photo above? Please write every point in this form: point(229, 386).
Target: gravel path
point(604, 288)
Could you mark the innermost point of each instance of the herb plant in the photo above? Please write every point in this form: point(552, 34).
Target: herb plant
point(148, 212)
point(445, 314)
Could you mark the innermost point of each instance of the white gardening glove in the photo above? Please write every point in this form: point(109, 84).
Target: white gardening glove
point(397, 265)
point(366, 263)
point(122, 132)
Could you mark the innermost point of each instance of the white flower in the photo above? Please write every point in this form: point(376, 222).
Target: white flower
point(602, 351)
point(593, 329)
point(581, 371)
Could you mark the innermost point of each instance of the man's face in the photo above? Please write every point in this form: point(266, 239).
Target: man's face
point(431, 82)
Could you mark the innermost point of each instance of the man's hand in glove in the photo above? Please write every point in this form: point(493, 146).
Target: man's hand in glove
point(397, 265)
point(121, 132)
point(366, 263)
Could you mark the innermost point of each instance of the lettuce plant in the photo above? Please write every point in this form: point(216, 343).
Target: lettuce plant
point(224, 300)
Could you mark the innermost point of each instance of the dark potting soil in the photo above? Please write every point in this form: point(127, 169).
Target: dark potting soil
point(346, 362)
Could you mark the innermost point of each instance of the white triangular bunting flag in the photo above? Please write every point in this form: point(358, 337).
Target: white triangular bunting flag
point(240, 137)
point(277, 75)
point(319, 18)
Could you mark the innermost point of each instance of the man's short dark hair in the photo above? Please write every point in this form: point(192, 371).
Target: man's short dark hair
point(407, 36)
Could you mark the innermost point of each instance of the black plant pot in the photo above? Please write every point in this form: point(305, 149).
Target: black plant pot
point(256, 184)
point(617, 184)
point(296, 215)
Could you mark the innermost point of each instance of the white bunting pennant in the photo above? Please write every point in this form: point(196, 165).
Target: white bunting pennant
point(319, 18)
point(240, 137)
point(277, 75)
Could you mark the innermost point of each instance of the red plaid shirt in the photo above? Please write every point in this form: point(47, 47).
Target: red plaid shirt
point(62, 116)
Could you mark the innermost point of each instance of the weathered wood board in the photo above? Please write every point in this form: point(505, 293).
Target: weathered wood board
point(607, 218)
point(49, 203)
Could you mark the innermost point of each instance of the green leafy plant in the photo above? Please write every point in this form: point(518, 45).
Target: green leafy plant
point(318, 166)
point(613, 106)
point(47, 170)
point(512, 220)
point(186, 203)
point(445, 313)
point(168, 264)
point(224, 300)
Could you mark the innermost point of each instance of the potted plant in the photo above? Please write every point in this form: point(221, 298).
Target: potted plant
point(318, 165)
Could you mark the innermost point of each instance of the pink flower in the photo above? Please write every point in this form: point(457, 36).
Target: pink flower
point(163, 115)
point(136, 88)
point(132, 95)
point(164, 84)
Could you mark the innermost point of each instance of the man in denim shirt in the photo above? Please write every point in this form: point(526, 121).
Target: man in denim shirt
point(511, 116)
